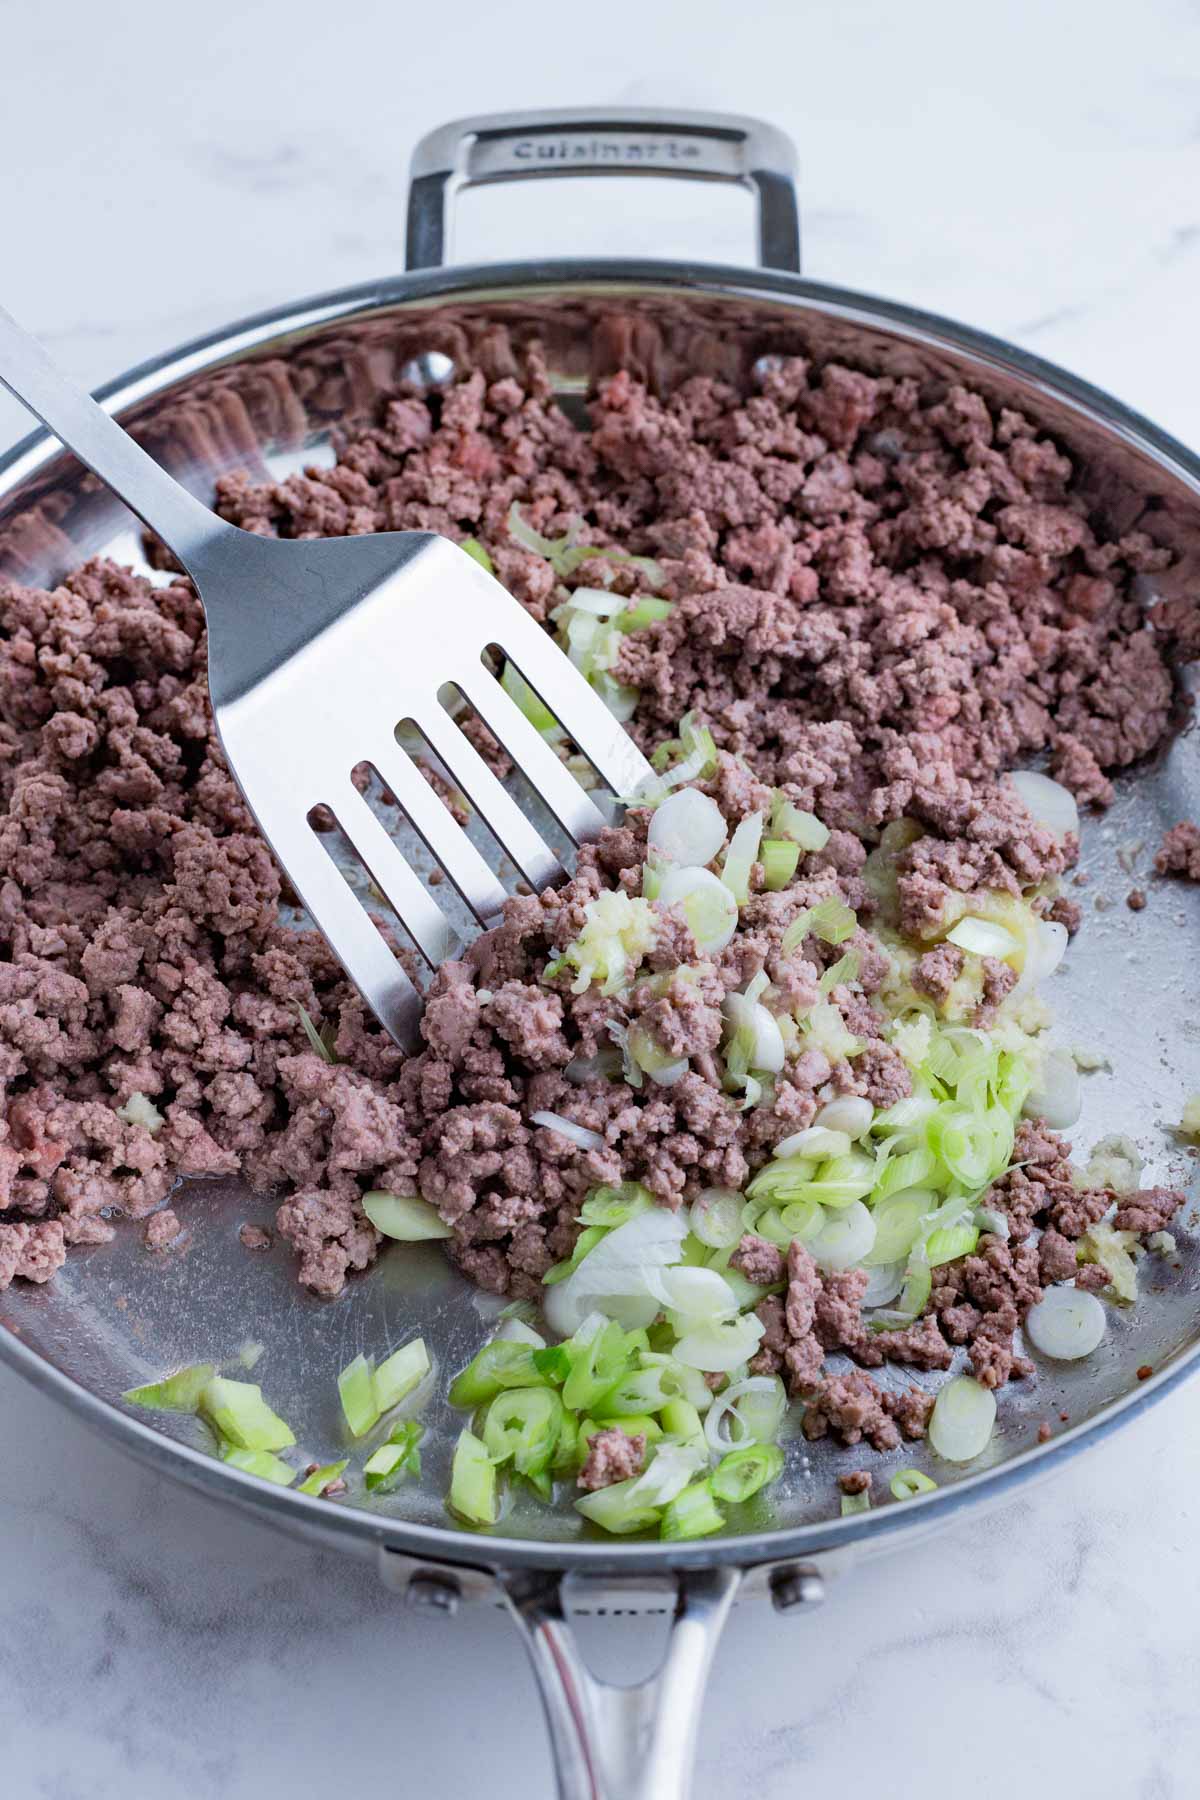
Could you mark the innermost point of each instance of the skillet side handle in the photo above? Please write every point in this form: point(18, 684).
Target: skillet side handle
point(621, 1743)
point(530, 146)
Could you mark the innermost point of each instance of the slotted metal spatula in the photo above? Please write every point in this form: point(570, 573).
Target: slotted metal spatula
point(319, 650)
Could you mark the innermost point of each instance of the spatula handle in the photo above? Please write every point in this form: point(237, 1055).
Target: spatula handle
point(97, 440)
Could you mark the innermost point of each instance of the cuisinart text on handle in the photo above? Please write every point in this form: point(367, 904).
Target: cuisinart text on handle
point(604, 150)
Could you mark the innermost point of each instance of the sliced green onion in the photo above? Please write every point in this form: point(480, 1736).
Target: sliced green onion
point(530, 704)
point(779, 860)
point(648, 611)
point(803, 828)
point(237, 1412)
point(962, 1420)
point(473, 1493)
point(596, 1366)
point(716, 1218)
point(403, 1370)
point(741, 856)
point(744, 1471)
point(803, 1219)
point(897, 1224)
point(691, 1514)
point(177, 1393)
point(319, 1480)
point(950, 1243)
point(975, 1148)
point(498, 1365)
point(398, 1457)
point(260, 1463)
point(522, 1427)
point(609, 1206)
point(720, 1345)
point(404, 1216)
point(856, 1503)
point(618, 1509)
point(475, 549)
point(356, 1387)
point(907, 1170)
point(906, 1484)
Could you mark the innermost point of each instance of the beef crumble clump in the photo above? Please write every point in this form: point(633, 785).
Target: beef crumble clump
point(1179, 853)
point(882, 598)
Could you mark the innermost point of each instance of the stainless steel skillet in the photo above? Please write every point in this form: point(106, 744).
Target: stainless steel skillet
point(267, 395)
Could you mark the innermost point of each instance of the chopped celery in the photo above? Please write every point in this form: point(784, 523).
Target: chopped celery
point(475, 549)
point(618, 1509)
point(319, 1480)
point(398, 1457)
point(856, 1503)
point(553, 1362)
point(498, 1365)
point(260, 1463)
point(681, 1420)
point(570, 1448)
point(632, 1424)
point(522, 1427)
point(473, 1493)
point(692, 1514)
point(779, 860)
point(742, 1472)
point(844, 969)
point(177, 1393)
point(356, 1387)
point(404, 1216)
point(237, 1412)
point(642, 1390)
point(402, 1371)
point(832, 920)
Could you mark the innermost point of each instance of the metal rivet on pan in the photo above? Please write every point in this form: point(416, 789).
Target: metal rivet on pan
point(433, 1593)
point(796, 1587)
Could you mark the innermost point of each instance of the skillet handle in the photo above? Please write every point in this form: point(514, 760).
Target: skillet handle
point(619, 140)
point(621, 1743)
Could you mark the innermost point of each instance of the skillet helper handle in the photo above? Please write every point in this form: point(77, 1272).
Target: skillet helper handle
point(527, 146)
point(621, 1743)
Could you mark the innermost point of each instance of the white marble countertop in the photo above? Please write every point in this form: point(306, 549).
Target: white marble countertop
point(1037, 174)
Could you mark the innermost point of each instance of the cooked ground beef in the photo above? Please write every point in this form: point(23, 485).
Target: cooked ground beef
point(1179, 853)
point(883, 598)
point(613, 1455)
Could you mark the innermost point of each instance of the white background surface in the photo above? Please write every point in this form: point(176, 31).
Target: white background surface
point(1032, 167)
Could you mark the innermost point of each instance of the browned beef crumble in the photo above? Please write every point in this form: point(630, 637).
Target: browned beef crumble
point(613, 1455)
point(1179, 853)
point(883, 598)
